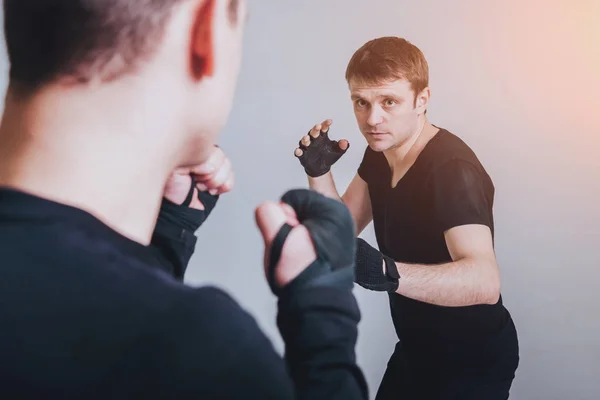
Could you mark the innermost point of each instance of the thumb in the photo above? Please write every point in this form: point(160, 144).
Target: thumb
point(270, 217)
point(344, 144)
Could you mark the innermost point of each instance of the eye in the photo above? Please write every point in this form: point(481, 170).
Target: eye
point(390, 102)
point(360, 103)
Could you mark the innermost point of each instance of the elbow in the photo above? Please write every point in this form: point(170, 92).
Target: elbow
point(492, 290)
point(492, 296)
point(486, 282)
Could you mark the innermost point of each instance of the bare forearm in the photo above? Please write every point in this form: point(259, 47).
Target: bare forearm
point(325, 185)
point(461, 283)
point(356, 197)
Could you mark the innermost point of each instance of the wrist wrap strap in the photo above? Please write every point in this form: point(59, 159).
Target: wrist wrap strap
point(369, 269)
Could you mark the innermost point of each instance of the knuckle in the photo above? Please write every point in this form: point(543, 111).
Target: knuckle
point(218, 182)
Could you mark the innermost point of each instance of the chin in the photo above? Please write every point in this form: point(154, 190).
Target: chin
point(379, 145)
point(197, 152)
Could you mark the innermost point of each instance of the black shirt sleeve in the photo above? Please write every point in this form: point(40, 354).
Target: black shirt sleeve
point(320, 329)
point(459, 195)
point(173, 248)
point(207, 346)
point(173, 240)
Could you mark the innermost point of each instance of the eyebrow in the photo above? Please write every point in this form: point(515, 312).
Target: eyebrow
point(355, 96)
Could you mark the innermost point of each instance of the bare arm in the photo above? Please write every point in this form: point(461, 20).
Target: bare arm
point(471, 278)
point(325, 185)
point(358, 201)
point(356, 197)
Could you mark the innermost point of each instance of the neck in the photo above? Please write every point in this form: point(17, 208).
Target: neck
point(90, 154)
point(410, 148)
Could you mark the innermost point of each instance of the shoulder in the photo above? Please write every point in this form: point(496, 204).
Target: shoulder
point(447, 146)
point(369, 156)
point(371, 165)
point(456, 175)
point(450, 155)
point(205, 339)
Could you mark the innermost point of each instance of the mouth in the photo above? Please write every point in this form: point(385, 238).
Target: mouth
point(376, 133)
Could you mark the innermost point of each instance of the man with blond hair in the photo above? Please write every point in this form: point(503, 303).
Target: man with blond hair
point(430, 200)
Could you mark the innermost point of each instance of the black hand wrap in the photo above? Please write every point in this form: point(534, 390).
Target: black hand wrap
point(185, 217)
point(369, 269)
point(320, 155)
point(331, 228)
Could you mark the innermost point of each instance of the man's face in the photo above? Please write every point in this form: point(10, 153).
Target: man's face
point(386, 114)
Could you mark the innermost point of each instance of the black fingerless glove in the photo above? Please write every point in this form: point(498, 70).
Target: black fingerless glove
point(173, 238)
point(320, 155)
point(369, 269)
point(181, 216)
point(331, 228)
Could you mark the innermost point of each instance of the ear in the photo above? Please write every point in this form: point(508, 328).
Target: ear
point(422, 101)
point(202, 51)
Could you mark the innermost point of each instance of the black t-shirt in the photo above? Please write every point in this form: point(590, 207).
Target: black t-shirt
point(446, 187)
point(87, 313)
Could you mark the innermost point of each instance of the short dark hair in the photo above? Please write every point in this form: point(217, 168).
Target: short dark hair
point(80, 40)
point(389, 58)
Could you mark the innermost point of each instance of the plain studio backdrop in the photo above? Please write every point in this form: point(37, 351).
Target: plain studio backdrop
point(517, 80)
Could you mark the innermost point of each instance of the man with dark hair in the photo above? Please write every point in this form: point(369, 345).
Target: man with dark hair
point(431, 201)
point(108, 165)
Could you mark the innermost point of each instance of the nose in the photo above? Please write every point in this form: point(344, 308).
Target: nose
point(375, 116)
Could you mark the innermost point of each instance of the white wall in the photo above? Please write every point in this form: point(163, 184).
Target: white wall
point(518, 80)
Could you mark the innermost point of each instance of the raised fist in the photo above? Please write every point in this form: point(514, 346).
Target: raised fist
point(309, 241)
point(215, 177)
point(317, 153)
point(192, 193)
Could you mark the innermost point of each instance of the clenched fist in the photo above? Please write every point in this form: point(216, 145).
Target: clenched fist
point(214, 177)
point(192, 193)
point(309, 242)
